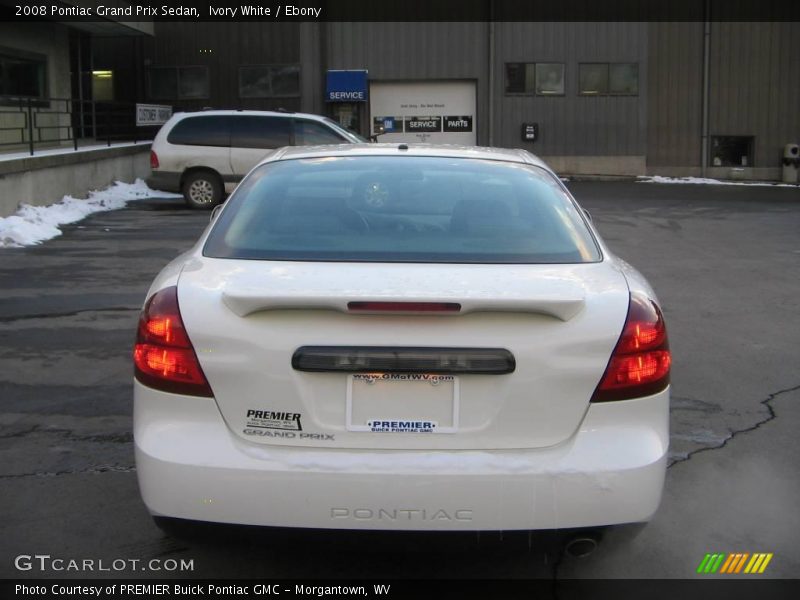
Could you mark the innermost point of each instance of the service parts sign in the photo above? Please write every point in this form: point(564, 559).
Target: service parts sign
point(441, 112)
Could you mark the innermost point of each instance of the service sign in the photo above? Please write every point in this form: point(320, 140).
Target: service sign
point(430, 124)
point(346, 86)
point(148, 115)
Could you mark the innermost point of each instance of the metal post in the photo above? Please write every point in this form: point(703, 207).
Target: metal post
point(71, 109)
point(80, 86)
point(30, 124)
point(94, 120)
point(108, 125)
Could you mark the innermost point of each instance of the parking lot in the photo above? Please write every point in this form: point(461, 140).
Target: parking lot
point(725, 261)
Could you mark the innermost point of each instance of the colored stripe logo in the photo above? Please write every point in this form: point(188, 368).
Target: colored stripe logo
point(734, 563)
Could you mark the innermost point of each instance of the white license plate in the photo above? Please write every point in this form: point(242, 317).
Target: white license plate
point(402, 403)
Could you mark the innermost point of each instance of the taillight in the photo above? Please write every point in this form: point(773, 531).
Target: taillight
point(640, 363)
point(163, 357)
point(153, 160)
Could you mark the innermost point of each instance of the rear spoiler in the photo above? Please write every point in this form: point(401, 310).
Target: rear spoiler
point(245, 302)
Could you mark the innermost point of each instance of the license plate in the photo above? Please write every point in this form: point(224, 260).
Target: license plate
point(402, 403)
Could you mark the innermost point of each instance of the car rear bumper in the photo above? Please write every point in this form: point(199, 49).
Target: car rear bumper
point(191, 466)
point(166, 181)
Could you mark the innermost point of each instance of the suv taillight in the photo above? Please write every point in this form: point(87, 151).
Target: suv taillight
point(153, 160)
point(163, 357)
point(640, 363)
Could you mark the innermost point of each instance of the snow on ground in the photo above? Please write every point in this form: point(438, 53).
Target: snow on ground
point(706, 181)
point(35, 224)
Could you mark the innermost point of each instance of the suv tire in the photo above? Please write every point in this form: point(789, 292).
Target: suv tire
point(202, 190)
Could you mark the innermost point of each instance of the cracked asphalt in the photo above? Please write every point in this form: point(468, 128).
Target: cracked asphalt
point(724, 260)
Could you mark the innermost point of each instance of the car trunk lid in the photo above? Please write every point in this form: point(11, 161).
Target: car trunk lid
point(403, 377)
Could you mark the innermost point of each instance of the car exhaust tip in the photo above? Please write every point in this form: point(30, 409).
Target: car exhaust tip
point(581, 546)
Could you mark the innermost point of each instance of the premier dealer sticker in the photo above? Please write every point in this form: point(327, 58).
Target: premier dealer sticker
point(398, 426)
point(270, 419)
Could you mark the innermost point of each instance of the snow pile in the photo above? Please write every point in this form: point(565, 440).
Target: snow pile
point(706, 181)
point(35, 224)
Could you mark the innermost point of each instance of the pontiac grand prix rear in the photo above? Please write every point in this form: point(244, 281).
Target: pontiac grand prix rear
point(384, 337)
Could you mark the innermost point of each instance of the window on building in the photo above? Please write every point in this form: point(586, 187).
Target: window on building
point(183, 83)
point(309, 133)
point(732, 150)
point(103, 86)
point(163, 83)
point(550, 79)
point(544, 79)
point(269, 81)
point(603, 79)
point(623, 79)
point(22, 74)
point(593, 79)
point(192, 82)
point(520, 78)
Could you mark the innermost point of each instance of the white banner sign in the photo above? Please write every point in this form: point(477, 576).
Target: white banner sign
point(152, 114)
point(441, 112)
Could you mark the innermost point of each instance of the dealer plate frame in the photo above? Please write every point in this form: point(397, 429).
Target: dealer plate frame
point(456, 400)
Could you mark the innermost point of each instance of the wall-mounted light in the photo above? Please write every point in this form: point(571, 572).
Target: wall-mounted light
point(103, 74)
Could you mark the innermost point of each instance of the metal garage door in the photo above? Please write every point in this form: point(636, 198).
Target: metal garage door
point(440, 112)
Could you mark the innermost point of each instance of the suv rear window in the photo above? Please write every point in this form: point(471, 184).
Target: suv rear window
point(260, 132)
point(239, 131)
point(201, 131)
point(402, 209)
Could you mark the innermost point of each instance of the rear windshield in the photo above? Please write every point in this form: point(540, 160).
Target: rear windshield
point(402, 209)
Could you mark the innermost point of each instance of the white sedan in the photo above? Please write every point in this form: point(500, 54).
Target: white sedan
point(384, 336)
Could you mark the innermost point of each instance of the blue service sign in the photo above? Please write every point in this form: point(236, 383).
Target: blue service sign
point(346, 86)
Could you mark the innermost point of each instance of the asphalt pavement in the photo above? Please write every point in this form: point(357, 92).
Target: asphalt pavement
point(724, 260)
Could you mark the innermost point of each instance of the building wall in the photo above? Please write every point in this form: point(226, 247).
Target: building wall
point(755, 81)
point(123, 56)
point(414, 51)
point(223, 47)
point(675, 96)
point(312, 84)
point(754, 91)
point(51, 40)
point(755, 86)
point(573, 125)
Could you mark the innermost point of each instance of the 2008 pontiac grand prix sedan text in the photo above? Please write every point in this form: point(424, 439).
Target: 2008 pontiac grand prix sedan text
point(376, 336)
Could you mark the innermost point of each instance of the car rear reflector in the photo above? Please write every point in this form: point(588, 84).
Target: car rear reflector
point(640, 363)
point(163, 357)
point(359, 359)
point(153, 160)
point(437, 307)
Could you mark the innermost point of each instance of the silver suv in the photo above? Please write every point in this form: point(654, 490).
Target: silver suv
point(205, 154)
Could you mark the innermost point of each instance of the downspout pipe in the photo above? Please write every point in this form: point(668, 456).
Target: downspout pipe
point(706, 87)
point(490, 41)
